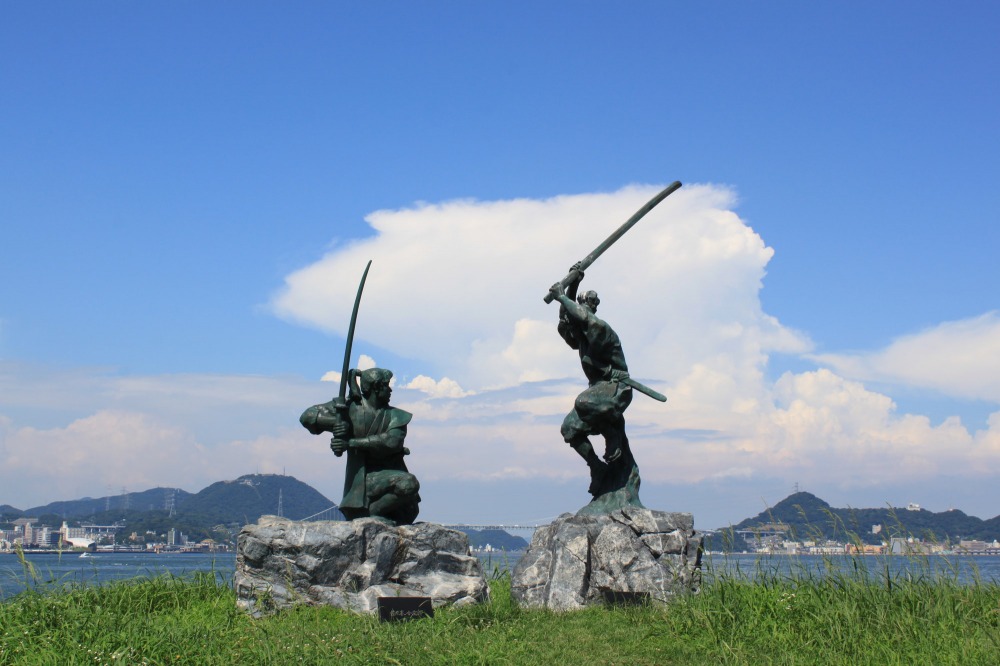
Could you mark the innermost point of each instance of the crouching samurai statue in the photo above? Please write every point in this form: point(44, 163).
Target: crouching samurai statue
point(371, 433)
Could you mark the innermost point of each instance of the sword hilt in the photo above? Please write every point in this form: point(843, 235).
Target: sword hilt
point(570, 278)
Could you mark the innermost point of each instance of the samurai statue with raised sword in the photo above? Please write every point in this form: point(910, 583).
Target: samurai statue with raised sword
point(599, 409)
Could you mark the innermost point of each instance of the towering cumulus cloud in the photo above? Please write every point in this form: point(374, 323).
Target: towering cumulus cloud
point(456, 289)
point(459, 285)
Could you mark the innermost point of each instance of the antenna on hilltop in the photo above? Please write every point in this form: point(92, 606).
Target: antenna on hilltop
point(796, 487)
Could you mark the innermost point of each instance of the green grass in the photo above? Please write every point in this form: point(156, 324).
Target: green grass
point(838, 618)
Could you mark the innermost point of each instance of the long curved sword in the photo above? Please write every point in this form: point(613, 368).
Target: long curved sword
point(341, 401)
point(610, 240)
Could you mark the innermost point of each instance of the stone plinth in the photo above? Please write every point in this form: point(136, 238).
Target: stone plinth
point(281, 563)
point(582, 559)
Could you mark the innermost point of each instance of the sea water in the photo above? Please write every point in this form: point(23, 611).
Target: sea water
point(69, 569)
point(963, 569)
point(53, 571)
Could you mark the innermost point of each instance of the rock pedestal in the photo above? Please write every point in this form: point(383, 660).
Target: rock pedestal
point(281, 563)
point(583, 559)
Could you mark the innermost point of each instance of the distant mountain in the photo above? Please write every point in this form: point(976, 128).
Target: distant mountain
point(217, 511)
point(993, 524)
point(499, 539)
point(242, 500)
point(146, 500)
point(808, 517)
point(249, 497)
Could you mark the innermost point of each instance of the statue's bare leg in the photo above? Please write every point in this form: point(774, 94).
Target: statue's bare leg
point(598, 469)
point(614, 436)
point(384, 505)
point(390, 491)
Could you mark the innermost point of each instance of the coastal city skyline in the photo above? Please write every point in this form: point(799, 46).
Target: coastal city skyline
point(190, 197)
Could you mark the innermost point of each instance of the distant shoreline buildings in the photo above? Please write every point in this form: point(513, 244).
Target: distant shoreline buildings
point(773, 539)
point(28, 535)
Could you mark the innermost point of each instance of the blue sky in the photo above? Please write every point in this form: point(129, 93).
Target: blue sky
point(189, 191)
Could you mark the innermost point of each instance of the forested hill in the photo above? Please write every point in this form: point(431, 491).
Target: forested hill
point(247, 498)
point(498, 539)
point(241, 500)
point(146, 500)
point(809, 517)
point(217, 511)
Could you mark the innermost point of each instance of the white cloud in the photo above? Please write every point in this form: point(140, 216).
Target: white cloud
point(826, 422)
point(459, 287)
point(365, 362)
point(75, 433)
point(681, 288)
point(443, 388)
point(958, 358)
point(110, 448)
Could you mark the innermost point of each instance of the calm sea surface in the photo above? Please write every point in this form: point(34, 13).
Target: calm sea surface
point(73, 570)
point(69, 569)
point(964, 569)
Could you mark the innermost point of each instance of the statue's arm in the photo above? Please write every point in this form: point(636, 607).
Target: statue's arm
point(569, 295)
point(386, 444)
point(573, 286)
point(575, 312)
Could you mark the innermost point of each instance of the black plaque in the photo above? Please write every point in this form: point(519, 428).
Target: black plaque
point(618, 598)
point(396, 609)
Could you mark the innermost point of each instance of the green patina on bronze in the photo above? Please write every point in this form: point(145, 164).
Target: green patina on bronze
point(371, 433)
point(600, 408)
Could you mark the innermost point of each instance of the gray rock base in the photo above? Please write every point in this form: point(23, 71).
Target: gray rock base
point(580, 560)
point(282, 563)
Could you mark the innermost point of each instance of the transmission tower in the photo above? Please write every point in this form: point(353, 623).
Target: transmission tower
point(280, 505)
point(169, 503)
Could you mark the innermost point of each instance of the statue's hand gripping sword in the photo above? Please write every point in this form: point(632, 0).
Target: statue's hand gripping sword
point(340, 403)
point(574, 274)
point(592, 257)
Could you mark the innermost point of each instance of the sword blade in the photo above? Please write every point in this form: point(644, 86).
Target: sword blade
point(642, 388)
point(350, 335)
point(619, 232)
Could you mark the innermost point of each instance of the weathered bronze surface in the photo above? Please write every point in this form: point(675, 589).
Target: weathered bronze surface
point(371, 432)
point(600, 408)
